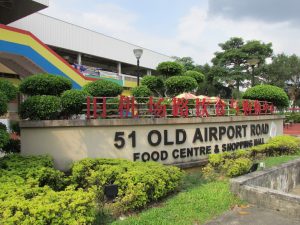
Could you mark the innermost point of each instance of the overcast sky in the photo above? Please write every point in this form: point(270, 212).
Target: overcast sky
point(187, 27)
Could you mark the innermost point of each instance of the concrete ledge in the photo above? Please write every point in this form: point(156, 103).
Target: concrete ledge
point(269, 188)
point(143, 121)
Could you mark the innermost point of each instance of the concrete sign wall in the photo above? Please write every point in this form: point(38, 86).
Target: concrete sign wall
point(170, 141)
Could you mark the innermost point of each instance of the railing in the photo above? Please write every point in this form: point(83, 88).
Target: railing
point(153, 107)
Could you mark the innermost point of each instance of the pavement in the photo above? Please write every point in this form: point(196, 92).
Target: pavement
point(253, 215)
point(292, 129)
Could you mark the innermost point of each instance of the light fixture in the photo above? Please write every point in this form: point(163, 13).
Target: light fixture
point(138, 54)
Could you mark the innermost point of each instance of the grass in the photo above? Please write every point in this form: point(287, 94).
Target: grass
point(197, 203)
point(277, 160)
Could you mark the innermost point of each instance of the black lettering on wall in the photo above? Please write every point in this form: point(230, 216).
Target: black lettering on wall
point(213, 133)
point(150, 137)
point(197, 135)
point(182, 133)
point(166, 141)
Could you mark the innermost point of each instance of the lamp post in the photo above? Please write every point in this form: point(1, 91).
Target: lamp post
point(138, 54)
point(252, 62)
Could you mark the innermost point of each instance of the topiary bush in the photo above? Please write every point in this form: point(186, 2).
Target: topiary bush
point(72, 102)
point(199, 77)
point(3, 103)
point(154, 83)
point(12, 146)
point(44, 107)
point(178, 84)
point(103, 88)
point(45, 84)
point(268, 93)
point(8, 89)
point(4, 138)
point(141, 92)
point(139, 183)
point(170, 68)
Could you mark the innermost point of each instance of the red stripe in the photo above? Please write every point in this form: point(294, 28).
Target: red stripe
point(17, 30)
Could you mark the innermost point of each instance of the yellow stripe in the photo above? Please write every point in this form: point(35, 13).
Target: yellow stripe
point(24, 39)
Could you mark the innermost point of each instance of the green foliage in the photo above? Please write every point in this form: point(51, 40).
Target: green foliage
point(268, 93)
point(4, 138)
point(169, 69)
point(12, 146)
point(179, 84)
point(187, 62)
point(141, 92)
point(32, 192)
point(3, 126)
point(45, 84)
point(295, 117)
point(282, 145)
point(237, 167)
point(15, 127)
point(72, 102)
point(154, 83)
point(112, 106)
point(8, 89)
point(3, 103)
point(44, 107)
point(139, 183)
point(103, 88)
point(199, 77)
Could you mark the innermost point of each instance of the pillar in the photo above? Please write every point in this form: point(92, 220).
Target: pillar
point(148, 72)
point(79, 58)
point(119, 68)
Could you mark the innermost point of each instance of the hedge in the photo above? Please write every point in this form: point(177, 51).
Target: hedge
point(3, 103)
point(178, 84)
point(103, 88)
point(32, 192)
point(141, 92)
point(45, 84)
point(268, 93)
point(72, 102)
point(44, 107)
point(139, 183)
point(170, 69)
point(154, 83)
point(199, 77)
point(8, 89)
point(239, 162)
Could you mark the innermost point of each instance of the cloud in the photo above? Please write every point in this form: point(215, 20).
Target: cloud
point(264, 10)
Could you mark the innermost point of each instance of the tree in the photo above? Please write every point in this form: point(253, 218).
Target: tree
point(169, 69)
point(232, 61)
point(284, 71)
point(187, 62)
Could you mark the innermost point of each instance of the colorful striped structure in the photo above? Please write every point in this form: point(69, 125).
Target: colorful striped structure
point(28, 48)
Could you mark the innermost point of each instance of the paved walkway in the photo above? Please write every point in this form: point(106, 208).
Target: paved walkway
point(293, 129)
point(252, 215)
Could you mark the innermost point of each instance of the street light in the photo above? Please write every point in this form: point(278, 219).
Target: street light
point(252, 62)
point(138, 54)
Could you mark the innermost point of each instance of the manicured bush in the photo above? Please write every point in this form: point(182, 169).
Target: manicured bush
point(12, 146)
point(282, 145)
point(199, 77)
point(3, 103)
point(72, 102)
point(295, 117)
point(3, 126)
point(237, 167)
point(170, 69)
point(8, 89)
point(4, 138)
point(112, 106)
point(268, 93)
point(44, 107)
point(45, 84)
point(141, 92)
point(178, 84)
point(139, 183)
point(154, 83)
point(103, 88)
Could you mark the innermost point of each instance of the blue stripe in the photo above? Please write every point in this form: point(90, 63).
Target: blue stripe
point(39, 60)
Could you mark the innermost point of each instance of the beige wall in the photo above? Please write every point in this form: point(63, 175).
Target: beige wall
point(68, 141)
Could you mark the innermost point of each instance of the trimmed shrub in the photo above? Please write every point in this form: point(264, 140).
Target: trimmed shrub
point(237, 167)
point(72, 102)
point(8, 89)
point(141, 92)
point(154, 83)
point(103, 88)
point(112, 106)
point(3, 103)
point(199, 77)
point(44, 107)
point(268, 93)
point(295, 117)
point(282, 145)
point(3, 126)
point(179, 84)
point(45, 84)
point(12, 146)
point(170, 69)
point(4, 138)
point(27, 194)
point(139, 183)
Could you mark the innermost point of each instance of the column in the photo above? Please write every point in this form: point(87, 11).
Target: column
point(148, 72)
point(119, 68)
point(79, 58)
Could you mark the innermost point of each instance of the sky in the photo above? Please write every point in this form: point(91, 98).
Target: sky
point(191, 28)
